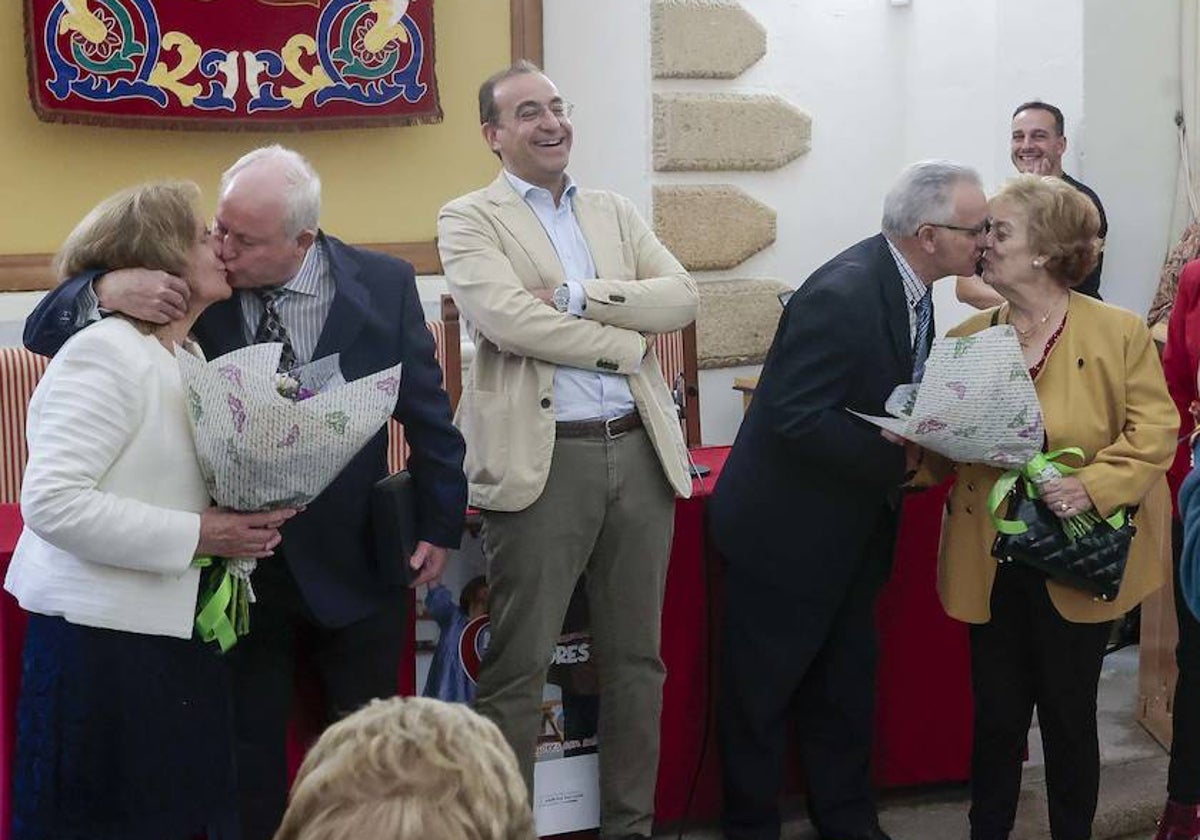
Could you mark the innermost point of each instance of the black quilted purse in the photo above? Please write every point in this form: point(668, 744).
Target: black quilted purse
point(1093, 562)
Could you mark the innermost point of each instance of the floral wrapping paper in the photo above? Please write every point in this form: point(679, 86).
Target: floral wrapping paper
point(260, 450)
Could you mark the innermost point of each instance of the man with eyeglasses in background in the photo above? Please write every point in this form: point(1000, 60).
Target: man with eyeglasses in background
point(575, 451)
point(806, 510)
point(1038, 145)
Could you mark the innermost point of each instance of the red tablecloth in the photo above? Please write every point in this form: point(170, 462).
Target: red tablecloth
point(687, 740)
point(924, 710)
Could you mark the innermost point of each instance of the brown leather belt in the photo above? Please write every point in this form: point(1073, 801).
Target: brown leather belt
point(615, 427)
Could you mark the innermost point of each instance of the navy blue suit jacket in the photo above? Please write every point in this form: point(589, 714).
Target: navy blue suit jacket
point(808, 488)
point(375, 320)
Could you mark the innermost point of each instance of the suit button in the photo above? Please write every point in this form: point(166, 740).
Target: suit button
point(545, 402)
point(971, 487)
point(968, 509)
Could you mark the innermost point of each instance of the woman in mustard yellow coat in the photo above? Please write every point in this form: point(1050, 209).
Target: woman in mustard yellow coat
point(1035, 642)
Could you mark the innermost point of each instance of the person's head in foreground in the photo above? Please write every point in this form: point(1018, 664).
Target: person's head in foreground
point(1043, 233)
point(409, 768)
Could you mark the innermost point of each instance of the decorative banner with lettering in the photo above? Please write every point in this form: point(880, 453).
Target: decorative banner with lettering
point(295, 64)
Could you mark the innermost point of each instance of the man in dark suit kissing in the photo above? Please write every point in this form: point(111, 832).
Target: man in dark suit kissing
point(799, 601)
point(317, 296)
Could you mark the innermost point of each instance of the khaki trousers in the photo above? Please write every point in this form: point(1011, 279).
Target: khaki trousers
point(607, 514)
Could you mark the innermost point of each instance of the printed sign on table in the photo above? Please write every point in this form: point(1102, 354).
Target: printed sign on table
point(566, 774)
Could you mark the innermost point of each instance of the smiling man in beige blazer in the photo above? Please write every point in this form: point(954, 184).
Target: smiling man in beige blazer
point(574, 452)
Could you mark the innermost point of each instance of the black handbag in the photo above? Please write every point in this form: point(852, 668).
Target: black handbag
point(1093, 562)
point(394, 522)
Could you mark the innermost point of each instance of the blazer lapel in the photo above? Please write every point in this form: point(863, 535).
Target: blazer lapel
point(895, 305)
point(601, 231)
point(350, 301)
point(511, 211)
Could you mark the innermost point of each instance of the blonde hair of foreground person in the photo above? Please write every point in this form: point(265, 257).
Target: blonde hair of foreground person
point(407, 768)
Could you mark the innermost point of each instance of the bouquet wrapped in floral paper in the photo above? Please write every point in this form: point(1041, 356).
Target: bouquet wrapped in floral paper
point(265, 441)
point(977, 404)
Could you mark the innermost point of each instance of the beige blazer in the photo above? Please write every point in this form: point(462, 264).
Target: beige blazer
point(1102, 389)
point(494, 251)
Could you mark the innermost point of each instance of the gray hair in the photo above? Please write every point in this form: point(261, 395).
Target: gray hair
point(302, 196)
point(924, 194)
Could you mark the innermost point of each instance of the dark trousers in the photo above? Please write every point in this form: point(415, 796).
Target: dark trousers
point(1028, 655)
point(784, 651)
point(1183, 778)
point(354, 664)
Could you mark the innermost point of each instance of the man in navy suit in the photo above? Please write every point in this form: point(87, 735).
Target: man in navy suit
point(806, 508)
point(327, 587)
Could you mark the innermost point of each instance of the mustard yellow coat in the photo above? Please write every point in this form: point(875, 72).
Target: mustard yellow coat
point(1101, 389)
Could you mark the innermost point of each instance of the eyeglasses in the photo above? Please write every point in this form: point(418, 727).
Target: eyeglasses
point(983, 227)
point(530, 112)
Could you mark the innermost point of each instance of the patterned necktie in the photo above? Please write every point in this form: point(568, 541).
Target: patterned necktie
point(924, 311)
point(271, 328)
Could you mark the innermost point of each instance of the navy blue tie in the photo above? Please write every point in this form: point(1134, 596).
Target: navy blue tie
point(924, 311)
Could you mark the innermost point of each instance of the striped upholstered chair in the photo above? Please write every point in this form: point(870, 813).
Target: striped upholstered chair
point(449, 356)
point(677, 358)
point(20, 371)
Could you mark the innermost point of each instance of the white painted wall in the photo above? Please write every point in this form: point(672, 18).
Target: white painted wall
point(598, 54)
point(1131, 91)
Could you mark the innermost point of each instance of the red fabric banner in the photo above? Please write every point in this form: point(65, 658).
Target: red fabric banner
point(205, 64)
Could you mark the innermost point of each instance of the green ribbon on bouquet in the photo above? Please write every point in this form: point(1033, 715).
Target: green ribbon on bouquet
point(223, 612)
point(1032, 472)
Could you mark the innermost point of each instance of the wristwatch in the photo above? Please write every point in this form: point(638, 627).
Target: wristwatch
point(561, 297)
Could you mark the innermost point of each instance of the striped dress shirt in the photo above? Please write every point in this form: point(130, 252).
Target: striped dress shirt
point(303, 304)
point(914, 290)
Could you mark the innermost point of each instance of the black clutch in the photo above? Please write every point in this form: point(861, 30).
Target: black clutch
point(394, 520)
point(1093, 562)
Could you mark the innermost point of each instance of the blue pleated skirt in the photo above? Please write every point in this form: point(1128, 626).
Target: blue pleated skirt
point(121, 735)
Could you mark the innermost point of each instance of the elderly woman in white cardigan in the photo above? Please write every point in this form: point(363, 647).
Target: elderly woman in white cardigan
point(124, 721)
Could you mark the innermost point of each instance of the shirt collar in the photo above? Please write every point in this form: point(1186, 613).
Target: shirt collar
point(524, 188)
point(914, 289)
point(307, 280)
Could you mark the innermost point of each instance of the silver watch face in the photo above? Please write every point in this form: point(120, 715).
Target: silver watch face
point(562, 298)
